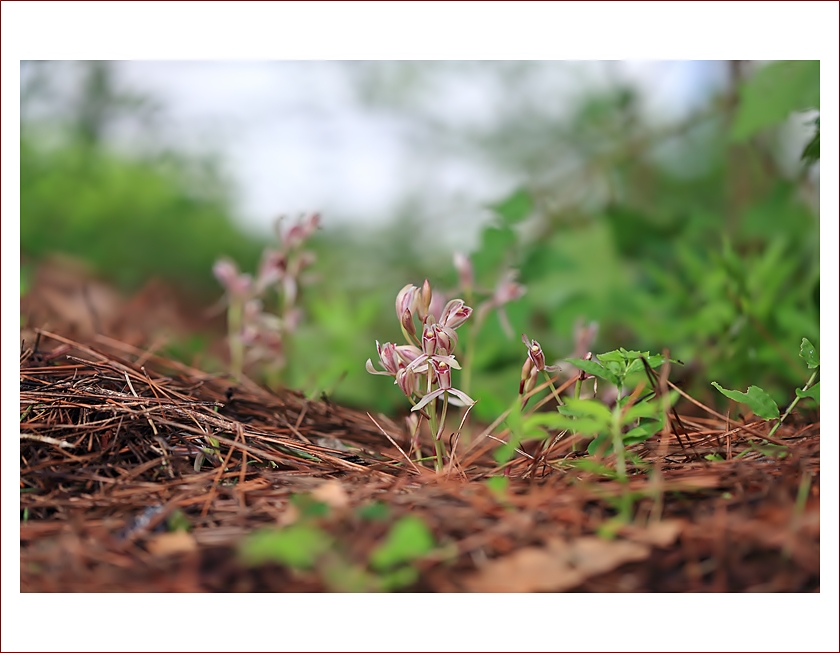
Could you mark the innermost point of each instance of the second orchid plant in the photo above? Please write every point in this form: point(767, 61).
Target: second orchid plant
point(422, 367)
point(254, 333)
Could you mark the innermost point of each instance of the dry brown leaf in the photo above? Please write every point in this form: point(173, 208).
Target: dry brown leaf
point(557, 567)
point(169, 543)
point(333, 494)
point(661, 534)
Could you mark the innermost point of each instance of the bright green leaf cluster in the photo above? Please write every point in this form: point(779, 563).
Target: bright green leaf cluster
point(408, 539)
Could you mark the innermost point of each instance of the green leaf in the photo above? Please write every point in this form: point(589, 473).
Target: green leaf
point(497, 484)
point(809, 353)
point(595, 369)
point(599, 443)
point(309, 507)
point(178, 521)
point(759, 401)
point(813, 392)
point(614, 356)
point(297, 546)
point(811, 153)
point(587, 408)
point(514, 208)
point(593, 466)
point(773, 92)
point(408, 539)
point(398, 579)
point(376, 511)
point(646, 409)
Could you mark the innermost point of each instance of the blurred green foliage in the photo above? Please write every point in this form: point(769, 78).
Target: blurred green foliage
point(693, 237)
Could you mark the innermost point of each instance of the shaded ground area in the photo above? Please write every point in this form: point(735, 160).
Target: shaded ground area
point(138, 473)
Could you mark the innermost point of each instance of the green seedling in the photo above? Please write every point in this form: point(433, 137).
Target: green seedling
point(763, 405)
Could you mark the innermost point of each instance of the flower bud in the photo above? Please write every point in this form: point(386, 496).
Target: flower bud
point(407, 323)
point(528, 378)
point(424, 300)
point(406, 300)
point(407, 380)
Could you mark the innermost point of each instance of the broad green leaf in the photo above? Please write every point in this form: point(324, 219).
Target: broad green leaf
point(586, 408)
point(398, 579)
point(600, 444)
point(809, 353)
point(642, 432)
point(297, 546)
point(773, 92)
point(646, 409)
point(595, 369)
point(408, 539)
point(514, 208)
point(813, 392)
point(589, 465)
point(757, 399)
point(582, 425)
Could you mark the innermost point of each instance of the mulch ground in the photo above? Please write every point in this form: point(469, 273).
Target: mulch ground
point(142, 474)
point(112, 497)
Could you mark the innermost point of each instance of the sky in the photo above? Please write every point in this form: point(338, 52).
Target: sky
point(294, 136)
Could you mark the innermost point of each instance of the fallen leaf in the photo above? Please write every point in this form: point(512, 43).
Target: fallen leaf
point(556, 567)
point(333, 494)
point(661, 534)
point(170, 543)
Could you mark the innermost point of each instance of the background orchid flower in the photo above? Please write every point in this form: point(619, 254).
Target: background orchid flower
point(238, 285)
point(506, 291)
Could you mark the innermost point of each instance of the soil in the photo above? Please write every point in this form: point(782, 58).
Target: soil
point(113, 498)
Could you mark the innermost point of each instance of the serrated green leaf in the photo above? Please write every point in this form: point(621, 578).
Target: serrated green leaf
point(595, 369)
point(809, 353)
point(773, 92)
point(812, 392)
point(408, 539)
point(515, 207)
point(615, 356)
point(757, 399)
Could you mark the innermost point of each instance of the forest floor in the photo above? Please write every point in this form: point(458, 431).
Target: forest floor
point(142, 474)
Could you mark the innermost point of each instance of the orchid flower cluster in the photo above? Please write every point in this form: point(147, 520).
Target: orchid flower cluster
point(255, 334)
point(422, 368)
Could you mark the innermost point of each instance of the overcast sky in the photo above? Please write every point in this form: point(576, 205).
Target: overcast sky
point(294, 136)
